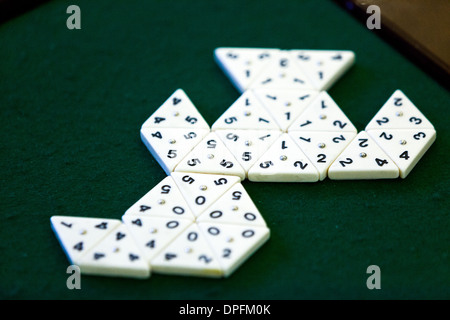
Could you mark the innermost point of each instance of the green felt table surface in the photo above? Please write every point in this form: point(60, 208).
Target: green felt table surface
point(71, 106)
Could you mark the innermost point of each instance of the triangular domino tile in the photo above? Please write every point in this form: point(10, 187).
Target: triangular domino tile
point(177, 111)
point(404, 146)
point(283, 162)
point(246, 112)
point(322, 114)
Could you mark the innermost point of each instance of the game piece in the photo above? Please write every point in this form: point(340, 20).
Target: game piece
point(233, 244)
point(322, 114)
point(285, 105)
point(189, 254)
point(322, 147)
point(283, 162)
point(170, 145)
point(201, 190)
point(242, 65)
point(152, 234)
point(404, 146)
point(235, 207)
point(282, 72)
point(323, 67)
point(164, 200)
point(211, 156)
point(78, 234)
point(246, 113)
point(177, 111)
point(363, 159)
point(117, 255)
point(399, 113)
point(248, 145)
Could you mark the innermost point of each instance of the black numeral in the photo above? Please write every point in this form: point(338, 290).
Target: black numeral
point(190, 135)
point(405, 155)
point(204, 258)
point(381, 162)
point(165, 189)
point(415, 120)
point(226, 164)
point(306, 123)
point(337, 139)
point(144, 208)
point(200, 200)
point(188, 179)
point(383, 120)
point(237, 195)
point(419, 135)
point(363, 143)
point(266, 164)
point(220, 181)
point(226, 253)
point(191, 120)
point(176, 101)
point(304, 139)
point(246, 156)
point(158, 119)
point(211, 144)
point(322, 158)
point(193, 162)
point(340, 124)
point(230, 120)
point(157, 134)
point(386, 136)
point(172, 154)
point(233, 137)
point(398, 102)
point(345, 162)
point(300, 164)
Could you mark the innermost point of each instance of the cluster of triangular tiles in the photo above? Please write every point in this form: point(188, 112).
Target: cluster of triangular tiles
point(188, 224)
point(283, 128)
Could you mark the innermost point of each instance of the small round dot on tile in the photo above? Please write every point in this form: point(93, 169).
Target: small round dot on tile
point(247, 113)
point(322, 145)
point(248, 143)
point(287, 104)
point(153, 230)
point(116, 249)
point(161, 201)
point(172, 141)
point(363, 154)
point(282, 75)
point(402, 142)
point(203, 187)
point(399, 113)
point(235, 208)
point(283, 158)
point(229, 239)
point(83, 232)
point(176, 114)
point(322, 117)
point(210, 156)
point(188, 250)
